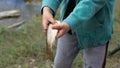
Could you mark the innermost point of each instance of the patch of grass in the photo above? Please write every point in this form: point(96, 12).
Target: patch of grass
point(18, 47)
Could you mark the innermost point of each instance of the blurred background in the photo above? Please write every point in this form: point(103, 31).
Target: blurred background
point(24, 46)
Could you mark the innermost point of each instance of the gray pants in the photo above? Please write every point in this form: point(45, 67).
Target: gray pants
point(67, 50)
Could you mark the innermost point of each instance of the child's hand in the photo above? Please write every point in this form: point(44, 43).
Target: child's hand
point(62, 28)
point(47, 17)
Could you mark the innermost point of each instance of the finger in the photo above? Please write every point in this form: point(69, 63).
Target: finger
point(57, 26)
point(59, 34)
point(52, 20)
point(45, 25)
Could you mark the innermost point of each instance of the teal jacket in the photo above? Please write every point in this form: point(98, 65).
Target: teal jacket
point(91, 20)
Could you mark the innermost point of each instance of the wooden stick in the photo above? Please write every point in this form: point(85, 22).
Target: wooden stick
point(15, 25)
point(9, 14)
point(114, 51)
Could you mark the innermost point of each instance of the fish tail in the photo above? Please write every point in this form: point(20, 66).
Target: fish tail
point(49, 55)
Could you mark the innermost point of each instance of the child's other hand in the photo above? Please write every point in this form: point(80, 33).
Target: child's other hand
point(62, 28)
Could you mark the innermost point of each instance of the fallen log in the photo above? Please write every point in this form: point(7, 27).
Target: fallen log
point(9, 14)
point(16, 25)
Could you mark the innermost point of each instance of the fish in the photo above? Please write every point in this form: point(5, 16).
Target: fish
point(50, 41)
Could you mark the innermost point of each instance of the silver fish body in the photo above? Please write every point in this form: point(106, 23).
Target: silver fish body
point(50, 41)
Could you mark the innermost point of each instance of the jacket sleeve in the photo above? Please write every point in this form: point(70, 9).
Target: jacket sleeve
point(52, 4)
point(83, 11)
